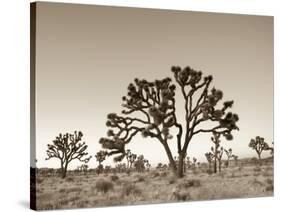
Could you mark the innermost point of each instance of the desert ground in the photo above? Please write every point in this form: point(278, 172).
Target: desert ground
point(153, 186)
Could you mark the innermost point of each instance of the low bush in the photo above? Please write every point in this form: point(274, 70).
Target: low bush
point(104, 186)
point(131, 189)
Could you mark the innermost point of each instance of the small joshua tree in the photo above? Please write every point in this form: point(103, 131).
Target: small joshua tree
point(159, 166)
point(147, 164)
point(194, 160)
point(229, 155)
point(217, 150)
point(235, 157)
point(100, 157)
point(156, 102)
point(188, 162)
point(128, 155)
point(66, 148)
point(132, 159)
point(259, 145)
point(140, 163)
point(209, 156)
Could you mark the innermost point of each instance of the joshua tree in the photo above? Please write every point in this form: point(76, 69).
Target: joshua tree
point(259, 145)
point(83, 168)
point(132, 159)
point(217, 151)
point(147, 165)
point(66, 148)
point(140, 163)
point(235, 157)
point(229, 156)
point(159, 166)
point(194, 160)
point(155, 101)
point(128, 155)
point(100, 157)
point(209, 156)
point(188, 162)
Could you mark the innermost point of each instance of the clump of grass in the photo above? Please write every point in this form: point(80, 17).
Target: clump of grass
point(131, 189)
point(114, 178)
point(104, 186)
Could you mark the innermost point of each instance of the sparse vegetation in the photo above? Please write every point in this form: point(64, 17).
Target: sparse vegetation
point(148, 187)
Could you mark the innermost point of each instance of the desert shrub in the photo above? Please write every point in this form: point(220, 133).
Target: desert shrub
point(104, 186)
point(257, 169)
point(163, 174)
point(257, 182)
point(130, 189)
point(172, 180)
point(74, 189)
point(240, 168)
point(190, 183)
point(62, 190)
point(232, 175)
point(69, 179)
point(209, 172)
point(270, 186)
point(140, 178)
point(155, 174)
point(221, 174)
point(114, 178)
point(39, 180)
point(180, 195)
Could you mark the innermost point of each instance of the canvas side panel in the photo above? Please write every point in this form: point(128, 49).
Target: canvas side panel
point(32, 106)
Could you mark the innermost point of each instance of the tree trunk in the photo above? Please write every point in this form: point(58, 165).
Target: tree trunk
point(219, 165)
point(259, 155)
point(215, 165)
point(64, 171)
point(170, 157)
point(180, 166)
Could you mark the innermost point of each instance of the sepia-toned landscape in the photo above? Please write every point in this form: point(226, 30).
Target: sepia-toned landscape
point(127, 117)
point(158, 185)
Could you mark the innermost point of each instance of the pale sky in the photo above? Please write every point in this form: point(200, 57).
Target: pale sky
point(87, 55)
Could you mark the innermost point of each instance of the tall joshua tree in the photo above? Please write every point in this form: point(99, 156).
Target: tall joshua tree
point(259, 145)
point(66, 148)
point(100, 157)
point(150, 109)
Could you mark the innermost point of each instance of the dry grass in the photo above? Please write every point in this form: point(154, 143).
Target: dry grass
point(152, 187)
